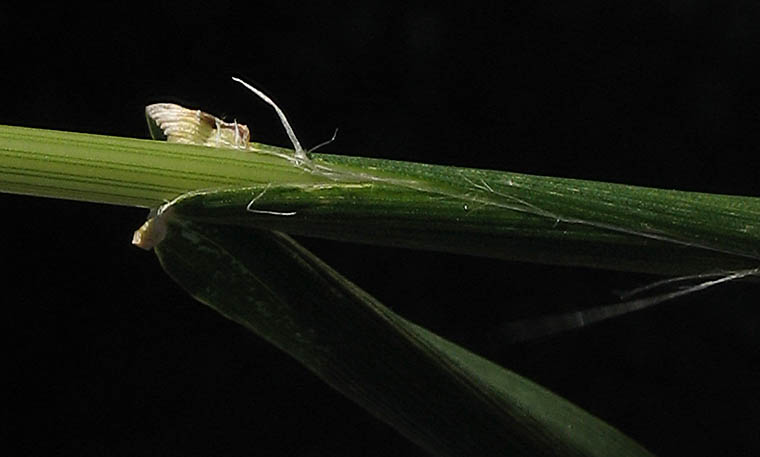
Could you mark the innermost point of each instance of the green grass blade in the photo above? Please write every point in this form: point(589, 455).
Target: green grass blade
point(499, 214)
point(447, 400)
point(477, 212)
point(125, 171)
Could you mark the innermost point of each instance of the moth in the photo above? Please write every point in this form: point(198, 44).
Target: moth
point(177, 124)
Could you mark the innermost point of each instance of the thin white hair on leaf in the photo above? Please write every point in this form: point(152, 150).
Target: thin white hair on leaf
point(300, 153)
point(519, 205)
point(671, 282)
point(250, 208)
point(534, 328)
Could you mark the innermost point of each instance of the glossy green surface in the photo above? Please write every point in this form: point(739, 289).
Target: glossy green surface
point(446, 399)
point(421, 206)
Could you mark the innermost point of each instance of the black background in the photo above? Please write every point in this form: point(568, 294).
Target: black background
point(106, 356)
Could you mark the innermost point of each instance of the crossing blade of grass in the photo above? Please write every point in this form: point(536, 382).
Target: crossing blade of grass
point(592, 224)
point(444, 398)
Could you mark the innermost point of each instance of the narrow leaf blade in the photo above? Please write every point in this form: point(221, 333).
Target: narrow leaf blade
point(444, 398)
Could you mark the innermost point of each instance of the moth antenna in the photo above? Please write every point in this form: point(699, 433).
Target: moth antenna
point(325, 143)
point(301, 155)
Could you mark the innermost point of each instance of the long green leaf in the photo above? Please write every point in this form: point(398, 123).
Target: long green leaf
point(478, 212)
point(126, 171)
point(447, 400)
point(499, 214)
